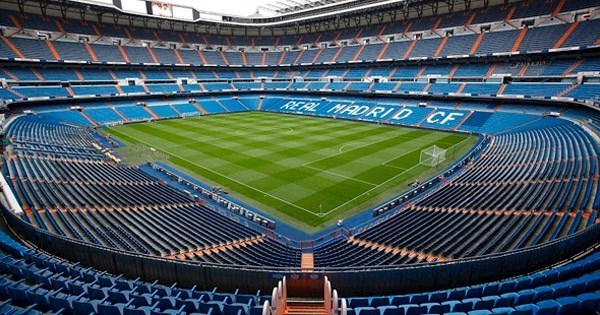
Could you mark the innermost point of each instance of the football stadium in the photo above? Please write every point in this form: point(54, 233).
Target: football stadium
point(318, 157)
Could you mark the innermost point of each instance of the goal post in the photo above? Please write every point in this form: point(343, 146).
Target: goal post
point(432, 156)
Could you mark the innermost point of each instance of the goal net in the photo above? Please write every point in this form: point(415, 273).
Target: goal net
point(432, 156)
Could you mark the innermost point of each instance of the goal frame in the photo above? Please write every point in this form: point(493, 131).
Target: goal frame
point(432, 156)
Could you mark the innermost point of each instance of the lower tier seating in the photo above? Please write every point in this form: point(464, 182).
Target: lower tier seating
point(65, 186)
point(531, 185)
point(35, 283)
point(535, 182)
point(573, 288)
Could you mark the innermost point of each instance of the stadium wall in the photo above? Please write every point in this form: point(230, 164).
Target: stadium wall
point(348, 281)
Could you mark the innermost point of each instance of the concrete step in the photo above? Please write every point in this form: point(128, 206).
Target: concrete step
point(305, 308)
point(307, 311)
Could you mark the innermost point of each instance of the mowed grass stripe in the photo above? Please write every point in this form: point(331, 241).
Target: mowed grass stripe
point(197, 168)
point(310, 169)
point(243, 162)
point(367, 154)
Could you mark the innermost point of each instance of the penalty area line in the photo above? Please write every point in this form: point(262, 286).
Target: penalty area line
point(290, 130)
point(229, 178)
point(387, 181)
point(338, 175)
point(370, 190)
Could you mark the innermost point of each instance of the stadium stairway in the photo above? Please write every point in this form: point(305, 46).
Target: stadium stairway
point(307, 261)
point(303, 297)
point(129, 53)
point(305, 308)
point(88, 118)
point(152, 113)
point(536, 183)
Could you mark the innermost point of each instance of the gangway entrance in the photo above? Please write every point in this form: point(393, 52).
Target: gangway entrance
point(304, 297)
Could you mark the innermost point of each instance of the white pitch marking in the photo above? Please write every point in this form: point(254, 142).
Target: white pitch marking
point(306, 165)
point(369, 191)
point(403, 154)
point(358, 144)
point(392, 166)
point(402, 136)
point(342, 152)
point(180, 144)
point(387, 181)
point(231, 179)
point(290, 130)
point(338, 175)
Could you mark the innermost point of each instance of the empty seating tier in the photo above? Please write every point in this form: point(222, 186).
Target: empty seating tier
point(532, 185)
point(74, 192)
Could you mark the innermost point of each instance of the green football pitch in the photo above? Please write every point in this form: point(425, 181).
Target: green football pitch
point(309, 172)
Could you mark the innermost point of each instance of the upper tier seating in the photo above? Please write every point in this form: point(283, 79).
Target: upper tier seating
point(546, 67)
point(40, 82)
point(518, 10)
point(538, 38)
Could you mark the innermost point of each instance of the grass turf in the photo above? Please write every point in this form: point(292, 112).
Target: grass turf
point(307, 171)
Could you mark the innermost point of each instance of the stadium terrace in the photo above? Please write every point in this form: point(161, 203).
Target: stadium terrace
point(331, 157)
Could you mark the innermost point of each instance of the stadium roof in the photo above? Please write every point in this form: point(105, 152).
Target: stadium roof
point(249, 8)
point(275, 17)
point(274, 12)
